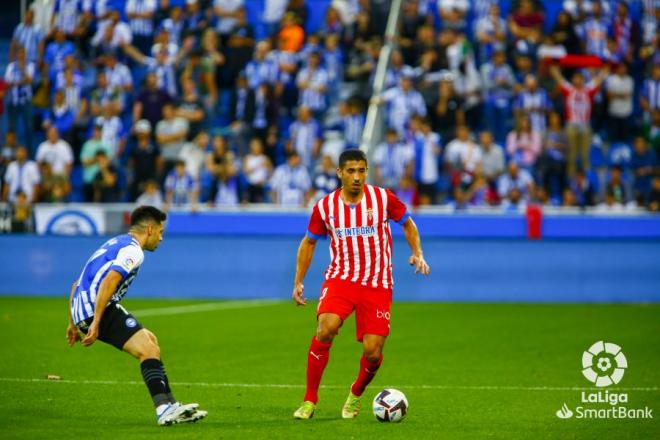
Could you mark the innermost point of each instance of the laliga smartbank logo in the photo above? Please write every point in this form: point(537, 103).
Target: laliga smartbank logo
point(604, 364)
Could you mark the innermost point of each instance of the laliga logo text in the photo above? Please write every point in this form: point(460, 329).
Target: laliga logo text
point(604, 364)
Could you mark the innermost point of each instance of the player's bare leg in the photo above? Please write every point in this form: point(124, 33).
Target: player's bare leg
point(317, 359)
point(143, 345)
point(372, 356)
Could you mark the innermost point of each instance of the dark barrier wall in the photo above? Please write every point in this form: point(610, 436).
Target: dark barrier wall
point(250, 267)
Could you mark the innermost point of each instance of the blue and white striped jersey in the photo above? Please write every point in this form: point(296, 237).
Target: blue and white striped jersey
point(122, 254)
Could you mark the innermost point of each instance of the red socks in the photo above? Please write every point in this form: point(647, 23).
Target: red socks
point(366, 374)
point(317, 359)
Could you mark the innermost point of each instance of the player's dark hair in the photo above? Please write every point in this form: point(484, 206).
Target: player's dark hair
point(146, 214)
point(352, 154)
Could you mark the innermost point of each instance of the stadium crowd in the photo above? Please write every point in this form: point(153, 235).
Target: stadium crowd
point(182, 103)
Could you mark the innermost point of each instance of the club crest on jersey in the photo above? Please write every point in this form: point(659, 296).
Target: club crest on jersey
point(129, 263)
point(370, 214)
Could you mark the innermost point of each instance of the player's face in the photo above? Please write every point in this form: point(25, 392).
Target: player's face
point(154, 236)
point(353, 176)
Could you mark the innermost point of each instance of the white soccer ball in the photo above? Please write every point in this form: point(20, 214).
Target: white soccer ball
point(390, 405)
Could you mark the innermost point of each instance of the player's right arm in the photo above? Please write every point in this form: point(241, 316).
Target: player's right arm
point(315, 230)
point(303, 261)
point(72, 334)
point(107, 288)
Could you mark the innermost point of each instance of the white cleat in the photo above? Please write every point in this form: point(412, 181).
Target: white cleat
point(199, 414)
point(176, 413)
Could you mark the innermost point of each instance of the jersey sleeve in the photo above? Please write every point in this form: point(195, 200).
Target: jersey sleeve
point(128, 258)
point(396, 210)
point(316, 229)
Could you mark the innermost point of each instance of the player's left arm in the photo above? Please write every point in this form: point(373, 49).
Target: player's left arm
point(415, 243)
point(397, 211)
point(107, 288)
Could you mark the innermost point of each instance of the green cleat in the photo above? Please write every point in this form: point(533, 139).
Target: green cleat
point(351, 407)
point(306, 411)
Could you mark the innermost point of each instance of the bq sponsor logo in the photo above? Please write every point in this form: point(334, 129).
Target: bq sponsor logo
point(604, 365)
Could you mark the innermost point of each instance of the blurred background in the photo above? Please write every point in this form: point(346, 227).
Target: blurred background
point(523, 135)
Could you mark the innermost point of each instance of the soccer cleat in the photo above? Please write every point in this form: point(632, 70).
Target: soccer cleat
point(351, 407)
point(176, 413)
point(306, 411)
point(197, 415)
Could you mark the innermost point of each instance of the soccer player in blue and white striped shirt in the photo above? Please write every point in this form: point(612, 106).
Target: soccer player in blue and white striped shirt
point(95, 310)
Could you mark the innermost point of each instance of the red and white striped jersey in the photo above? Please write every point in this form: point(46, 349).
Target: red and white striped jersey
point(360, 237)
point(577, 103)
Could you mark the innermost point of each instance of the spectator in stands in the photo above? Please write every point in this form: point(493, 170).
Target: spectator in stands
point(534, 103)
point(643, 165)
point(492, 158)
point(226, 11)
point(490, 31)
point(191, 108)
point(651, 132)
point(106, 181)
point(240, 45)
point(54, 55)
point(171, 134)
point(462, 153)
point(175, 25)
point(140, 15)
point(551, 164)
point(526, 23)
point(325, 179)
point(577, 111)
point(145, 161)
point(151, 195)
point(312, 82)
point(593, 31)
point(89, 159)
point(113, 133)
point(150, 101)
point(447, 111)
point(427, 150)
point(223, 167)
point(56, 152)
point(193, 154)
point(403, 102)
point(29, 36)
point(472, 190)
point(523, 144)
point(7, 154)
point(291, 184)
point(392, 160)
point(21, 210)
point(19, 77)
point(305, 137)
point(299, 10)
point(582, 190)
point(563, 33)
point(103, 96)
point(498, 83)
point(616, 195)
point(22, 175)
point(653, 203)
point(257, 169)
point(351, 123)
point(454, 13)
point(620, 88)
point(262, 69)
point(112, 34)
point(650, 96)
point(332, 23)
point(516, 186)
point(291, 34)
point(180, 187)
point(272, 14)
point(118, 74)
point(60, 116)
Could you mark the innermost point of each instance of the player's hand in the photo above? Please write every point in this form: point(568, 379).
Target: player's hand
point(92, 334)
point(298, 292)
point(420, 264)
point(72, 334)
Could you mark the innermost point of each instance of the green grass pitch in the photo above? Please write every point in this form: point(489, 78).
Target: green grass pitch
point(469, 371)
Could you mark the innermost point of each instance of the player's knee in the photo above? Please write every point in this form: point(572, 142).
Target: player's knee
point(373, 353)
point(150, 351)
point(325, 333)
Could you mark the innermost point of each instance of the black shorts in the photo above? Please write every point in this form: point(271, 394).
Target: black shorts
point(117, 326)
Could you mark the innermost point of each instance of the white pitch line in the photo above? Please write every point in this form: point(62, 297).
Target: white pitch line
point(298, 386)
point(206, 307)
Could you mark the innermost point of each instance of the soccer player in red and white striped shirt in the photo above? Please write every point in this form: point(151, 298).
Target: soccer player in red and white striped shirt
point(356, 219)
